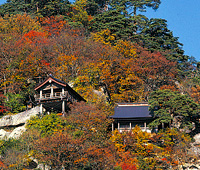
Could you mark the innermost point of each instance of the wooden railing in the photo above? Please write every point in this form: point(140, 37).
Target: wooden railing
point(55, 95)
point(127, 129)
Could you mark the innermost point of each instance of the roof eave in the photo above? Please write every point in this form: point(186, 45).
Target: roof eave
point(47, 80)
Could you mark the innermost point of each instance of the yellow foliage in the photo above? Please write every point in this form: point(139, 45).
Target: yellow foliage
point(126, 48)
point(195, 93)
point(65, 65)
point(79, 13)
point(20, 24)
point(131, 88)
point(104, 37)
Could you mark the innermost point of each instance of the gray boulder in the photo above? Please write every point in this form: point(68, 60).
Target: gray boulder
point(17, 132)
point(4, 134)
point(197, 138)
point(18, 119)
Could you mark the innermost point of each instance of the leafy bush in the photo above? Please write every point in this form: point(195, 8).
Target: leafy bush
point(46, 125)
point(15, 102)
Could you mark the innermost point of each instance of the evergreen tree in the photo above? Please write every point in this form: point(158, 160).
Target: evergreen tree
point(94, 7)
point(155, 36)
point(113, 20)
point(173, 107)
point(37, 7)
point(132, 6)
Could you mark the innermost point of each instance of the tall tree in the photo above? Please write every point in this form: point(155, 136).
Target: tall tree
point(38, 7)
point(132, 6)
point(94, 7)
point(173, 107)
point(121, 18)
point(157, 37)
point(113, 20)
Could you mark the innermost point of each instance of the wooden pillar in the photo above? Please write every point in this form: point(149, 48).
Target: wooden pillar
point(156, 129)
point(162, 125)
point(40, 108)
point(63, 91)
point(40, 94)
point(112, 126)
point(51, 91)
point(130, 126)
point(118, 126)
point(145, 126)
point(63, 106)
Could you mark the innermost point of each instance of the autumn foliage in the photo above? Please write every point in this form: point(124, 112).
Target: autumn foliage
point(105, 69)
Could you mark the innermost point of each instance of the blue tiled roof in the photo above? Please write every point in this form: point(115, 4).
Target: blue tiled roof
point(132, 112)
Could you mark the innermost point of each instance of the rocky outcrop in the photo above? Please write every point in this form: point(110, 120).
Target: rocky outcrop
point(18, 119)
point(4, 134)
point(189, 166)
point(17, 132)
point(197, 139)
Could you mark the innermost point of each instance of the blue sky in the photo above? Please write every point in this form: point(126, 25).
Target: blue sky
point(183, 18)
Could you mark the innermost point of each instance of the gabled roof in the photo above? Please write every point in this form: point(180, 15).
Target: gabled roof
point(53, 79)
point(62, 83)
point(133, 111)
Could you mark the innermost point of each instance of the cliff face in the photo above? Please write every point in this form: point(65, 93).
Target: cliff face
point(17, 122)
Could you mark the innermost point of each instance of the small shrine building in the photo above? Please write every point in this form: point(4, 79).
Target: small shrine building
point(128, 115)
point(53, 94)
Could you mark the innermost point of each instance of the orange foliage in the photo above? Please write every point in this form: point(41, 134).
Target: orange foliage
point(126, 166)
point(18, 24)
point(33, 36)
point(170, 87)
point(195, 93)
point(53, 25)
point(2, 165)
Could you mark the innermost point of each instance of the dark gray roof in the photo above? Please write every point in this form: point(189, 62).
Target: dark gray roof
point(132, 112)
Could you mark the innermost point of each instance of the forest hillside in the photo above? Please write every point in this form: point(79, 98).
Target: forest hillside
point(92, 44)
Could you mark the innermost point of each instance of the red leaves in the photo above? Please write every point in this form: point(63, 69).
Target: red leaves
point(2, 165)
point(154, 65)
point(33, 37)
point(3, 108)
point(57, 149)
point(53, 25)
point(45, 63)
point(126, 166)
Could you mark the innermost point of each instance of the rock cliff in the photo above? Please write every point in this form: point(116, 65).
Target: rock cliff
point(17, 121)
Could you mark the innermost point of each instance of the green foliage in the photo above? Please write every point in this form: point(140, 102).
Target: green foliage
point(7, 144)
point(173, 107)
point(133, 5)
point(79, 15)
point(157, 37)
point(37, 7)
point(12, 153)
point(47, 125)
point(15, 102)
point(113, 20)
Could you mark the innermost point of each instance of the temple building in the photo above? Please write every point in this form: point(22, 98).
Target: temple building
point(53, 94)
point(128, 115)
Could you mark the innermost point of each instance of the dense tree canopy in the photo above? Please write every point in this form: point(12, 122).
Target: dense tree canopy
point(37, 7)
point(174, 108)
point(110, 53)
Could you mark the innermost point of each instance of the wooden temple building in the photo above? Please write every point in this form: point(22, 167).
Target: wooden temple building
point(128, 115)
point(53, 94)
